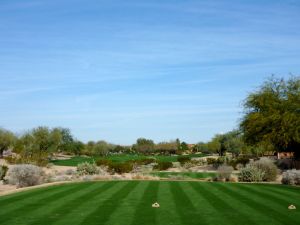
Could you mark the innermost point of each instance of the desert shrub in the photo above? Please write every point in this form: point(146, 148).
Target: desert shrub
point(188, 165)
point(183, 159)
point(239, 166)
point(163, 165)
point(24, 175)
point(11, 159)
point(120, 168)
point(211, 161)
point(34, 159)
point(103, 162)
point(145, 161)
point(86, 168)
point(291, 177)
point(3, 170)
point(251, 174)
point(224, 172)
point(268, 167)
point(198, 162)
point(216, 162)
point(236, 163)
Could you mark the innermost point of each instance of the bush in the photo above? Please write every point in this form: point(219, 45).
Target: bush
point(163, 165)
point(188, 165)
point(86, 168)
point(268, 167)
point(24, 175)
point(35, 159)
point(199, 162)
point(211, 161)
point(235, 163)
point(224, 172)
point(251, 174)
point(103, 162)
point(145, 161)
point(3, 170)
point(120, 168)
point(183, 159)
point(291, 177)
point(216, 162)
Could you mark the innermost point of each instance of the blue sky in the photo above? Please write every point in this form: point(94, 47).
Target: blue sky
point(118, 70)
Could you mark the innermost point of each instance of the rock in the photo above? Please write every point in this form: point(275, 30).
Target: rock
point(292, 207)
point(155, 205)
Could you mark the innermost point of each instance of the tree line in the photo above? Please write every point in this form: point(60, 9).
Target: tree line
point(271, 122)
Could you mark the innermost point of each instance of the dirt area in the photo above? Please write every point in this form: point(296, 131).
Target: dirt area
point(58, 169)
point(5, 189)
point(3, 162)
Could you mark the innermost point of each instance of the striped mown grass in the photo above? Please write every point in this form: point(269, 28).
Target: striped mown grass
point(129, 203)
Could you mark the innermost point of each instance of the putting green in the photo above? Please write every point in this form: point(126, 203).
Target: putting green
point(130, 203)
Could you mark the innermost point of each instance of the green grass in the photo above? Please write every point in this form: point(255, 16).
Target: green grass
point(129, 203)
point(184, 175)
point(74, 161)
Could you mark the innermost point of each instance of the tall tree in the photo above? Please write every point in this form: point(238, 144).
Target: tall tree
point(233, 142)
point(144, 145)
point(7, 139)
point(102, 148)
point(67, 142)
point(272, 115)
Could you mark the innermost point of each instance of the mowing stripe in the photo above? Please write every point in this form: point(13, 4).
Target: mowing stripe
point(53, 214)
point(203, 206)
point(31, 207)
point(191, 215)
point(166, 214)
point(278, 199)
point(82, 209)
point(23, 197)
point(12, 198)
point(282, 190)
point(103, 212)
point(126, 208)
point(144, 213)
point(222, 207)
point(267, 205)
point(32, 200)
point(273, 198)
point(261, 217)
point(238, 210)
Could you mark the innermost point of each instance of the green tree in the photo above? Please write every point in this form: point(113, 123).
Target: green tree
point(272, 115)
point(67, 140)
point(217, 144)
point(102, 148)
point(166, 147)
point(203, 147)
point(178, 143)
point(7, 140)
point(38, 144)
point(184, 146)
point(144, 145)
point(233, 142)
point(77, 147)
